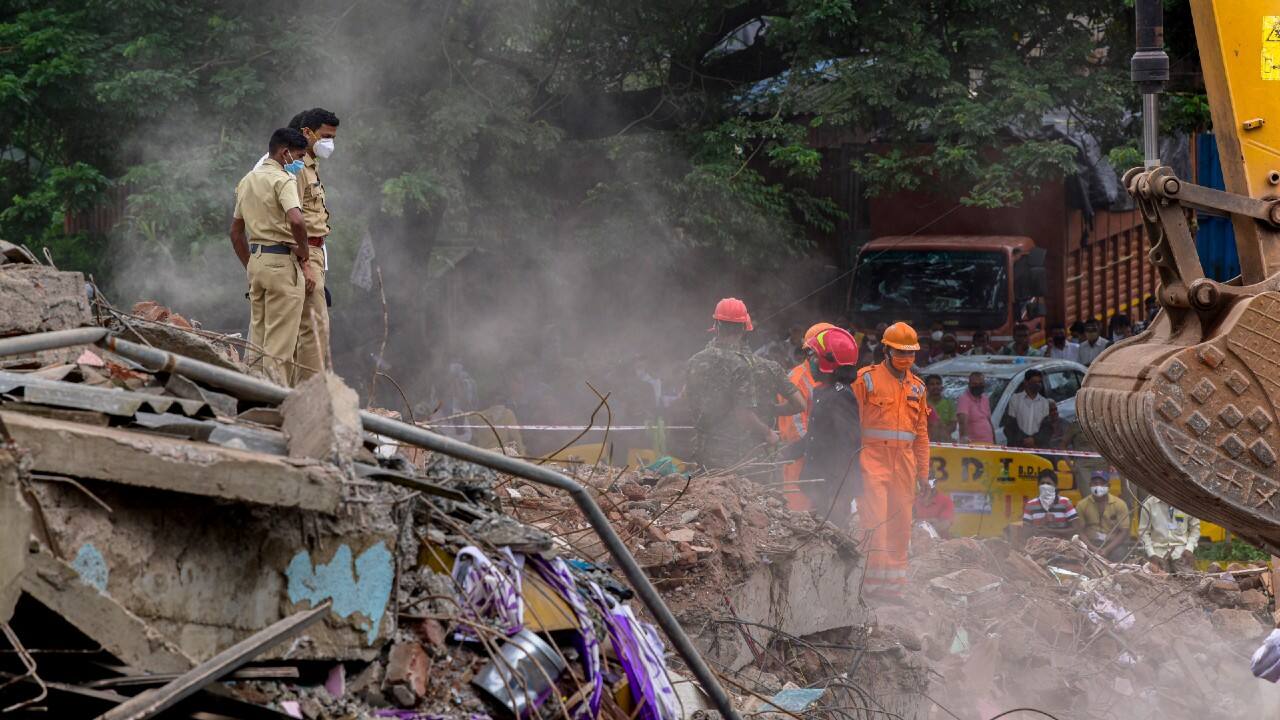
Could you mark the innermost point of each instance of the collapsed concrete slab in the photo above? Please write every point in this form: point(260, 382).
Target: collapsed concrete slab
point(206, 574)
point(813, 591)
point(15, 528)
point(154, 461)
point(72, 593)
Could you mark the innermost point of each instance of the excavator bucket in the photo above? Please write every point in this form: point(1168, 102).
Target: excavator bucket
point(1188, 408)
point(1196, 423)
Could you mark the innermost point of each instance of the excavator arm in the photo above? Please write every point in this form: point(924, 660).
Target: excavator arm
point(1188, 408)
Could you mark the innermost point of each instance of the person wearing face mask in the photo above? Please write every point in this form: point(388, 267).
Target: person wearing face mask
point(1049, 513)
point(319, 127)
point(829, 450)
point(1060, 347)
point(1105, 518)
point(276, 262)
point(894, 458)
point(1093, 344)
point(973, 413)
point(1031, 417)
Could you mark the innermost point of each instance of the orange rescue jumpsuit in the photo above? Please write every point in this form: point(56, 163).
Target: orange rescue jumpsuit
point(895, 456)
point(792, 428)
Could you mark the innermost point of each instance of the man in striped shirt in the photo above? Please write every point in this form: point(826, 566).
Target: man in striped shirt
point(1049, 514)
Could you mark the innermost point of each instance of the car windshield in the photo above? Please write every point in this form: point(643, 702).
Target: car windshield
point(954, 385)
point(939, 282)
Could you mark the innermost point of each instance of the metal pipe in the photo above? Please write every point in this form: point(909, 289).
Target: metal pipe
point(1151, 130)
point(52, 340)
point(255, 389)
point(1149, 68)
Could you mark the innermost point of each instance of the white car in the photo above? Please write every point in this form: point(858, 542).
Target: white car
point(1004, 375)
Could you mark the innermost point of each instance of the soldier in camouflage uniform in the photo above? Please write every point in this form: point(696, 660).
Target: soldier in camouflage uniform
point(732, 393)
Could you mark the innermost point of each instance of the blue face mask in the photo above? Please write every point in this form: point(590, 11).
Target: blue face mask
point(294, 167)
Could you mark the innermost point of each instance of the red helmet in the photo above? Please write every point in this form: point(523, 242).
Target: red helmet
point(834, 347)
point(732, 310)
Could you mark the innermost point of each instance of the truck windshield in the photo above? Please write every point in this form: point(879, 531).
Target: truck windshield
point(934, 282)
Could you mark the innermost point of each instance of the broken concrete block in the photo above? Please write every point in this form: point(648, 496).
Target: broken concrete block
point(407, 670)
point(15, 528)
point(1236, 625)
point(36, 298)
point(1253, 600)
point(682, 535)
point(322, 419)
point(431, 632)
point(185, 342)
point(634, 491)
point(966, 582)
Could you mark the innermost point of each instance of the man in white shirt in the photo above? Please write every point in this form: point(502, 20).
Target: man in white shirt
point(1168, 535)
point(1059, 347)
point(1093, 344)
point(1031, 417)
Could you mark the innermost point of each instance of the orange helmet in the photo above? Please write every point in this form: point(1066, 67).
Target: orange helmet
point(732, 310)
point(900, 336)
point(833, 346)
point(814, 330)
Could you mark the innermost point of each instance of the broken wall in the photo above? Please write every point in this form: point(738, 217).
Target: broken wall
point(207, 573)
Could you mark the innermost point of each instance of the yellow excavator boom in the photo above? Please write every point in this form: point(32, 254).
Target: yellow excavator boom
point(1188, 408)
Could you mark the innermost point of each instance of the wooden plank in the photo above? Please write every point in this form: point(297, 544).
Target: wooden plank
point(151, 702)
point(167, 463)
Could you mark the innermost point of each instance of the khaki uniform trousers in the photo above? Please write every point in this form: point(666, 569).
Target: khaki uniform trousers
point(277, 291)
point(312, 354)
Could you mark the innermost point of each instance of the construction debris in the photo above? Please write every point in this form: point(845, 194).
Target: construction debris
point(166, 532)
point(174, 547)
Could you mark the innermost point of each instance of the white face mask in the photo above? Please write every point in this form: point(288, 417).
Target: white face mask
point(936, 335)
point(1098, 490)
point(324, 147)
point(1047, 495)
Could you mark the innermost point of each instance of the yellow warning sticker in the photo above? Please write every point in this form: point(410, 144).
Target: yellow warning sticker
point(1271, 47)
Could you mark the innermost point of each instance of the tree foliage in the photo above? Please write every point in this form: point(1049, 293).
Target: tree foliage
point(606, 126)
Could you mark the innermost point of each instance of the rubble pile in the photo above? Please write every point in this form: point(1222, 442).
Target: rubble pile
point(732, 561)
point(716, 528)
point(168, 545)
point(1060, 629)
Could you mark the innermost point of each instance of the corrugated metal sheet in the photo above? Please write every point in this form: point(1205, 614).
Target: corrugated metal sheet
point(123, 403)
point(1215, 240)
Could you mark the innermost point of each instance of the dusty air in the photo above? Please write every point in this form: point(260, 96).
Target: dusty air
point(818, 360)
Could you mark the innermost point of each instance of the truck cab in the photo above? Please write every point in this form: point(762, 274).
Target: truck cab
point(966, 282)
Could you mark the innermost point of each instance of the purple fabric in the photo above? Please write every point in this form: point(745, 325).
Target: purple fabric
point(557, 574)
point(489, 592)
point(640, 652)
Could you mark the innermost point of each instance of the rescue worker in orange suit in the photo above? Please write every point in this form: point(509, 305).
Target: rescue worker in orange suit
point(895, 457)
point(793, 427)
point(830, 447)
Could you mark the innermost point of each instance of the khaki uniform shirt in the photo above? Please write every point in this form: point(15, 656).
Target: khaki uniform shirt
point(311, 195)
point(1100, 521)
point(263, 197)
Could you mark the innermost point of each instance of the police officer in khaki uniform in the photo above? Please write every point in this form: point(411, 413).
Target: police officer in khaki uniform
point(319, 126)
point(267, 209)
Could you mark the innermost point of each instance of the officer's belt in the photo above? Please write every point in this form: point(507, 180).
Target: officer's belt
point(271, 249)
